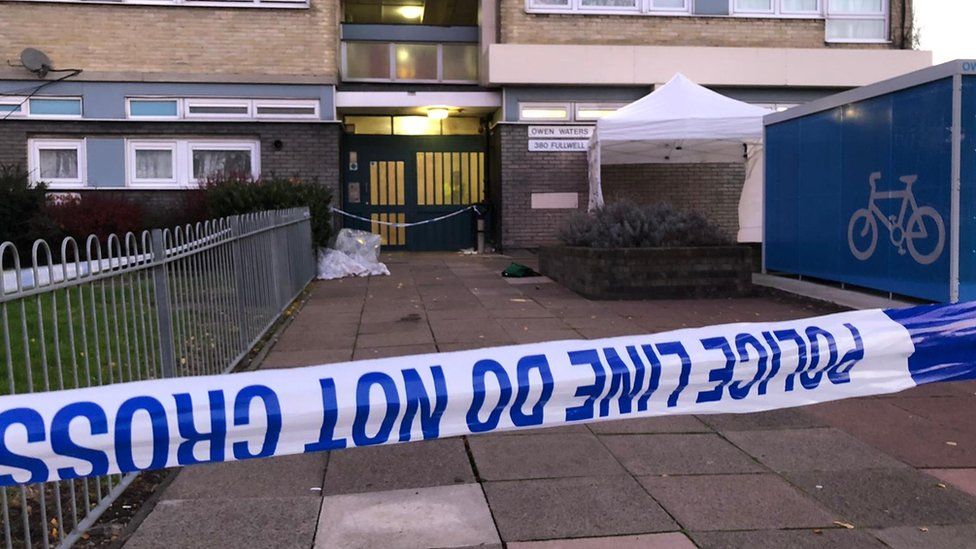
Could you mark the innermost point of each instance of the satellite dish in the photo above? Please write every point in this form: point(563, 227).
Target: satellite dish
point(36, 61)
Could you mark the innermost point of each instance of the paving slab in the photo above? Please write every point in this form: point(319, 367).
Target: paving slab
point(670, 540)
point(949, 411)
point(464, 330)
point(736, 502)
point(294, 359)
point(542, 456)
point(574, 507)
point(363, 353)
point(679, 454)
point(444, 516)
point(962, 479)
point(818, 538)
point(256, 523)
point(887, 497)
point(303, 336)
point(395, 339)
point(790, 418)
point(440, 462)
point(542, 336)
point(929, 537)
point(650, 425)
point(285, 476)
point(821, 449)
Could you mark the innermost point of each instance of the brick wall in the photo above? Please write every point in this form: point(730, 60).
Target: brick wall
point(518, 27)
point(308, 150)
point(166, 39)
point(711, 189)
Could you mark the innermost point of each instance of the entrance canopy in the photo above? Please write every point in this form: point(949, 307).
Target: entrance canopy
point(684, 123)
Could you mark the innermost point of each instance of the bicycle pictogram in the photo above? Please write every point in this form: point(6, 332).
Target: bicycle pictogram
point(922, 234)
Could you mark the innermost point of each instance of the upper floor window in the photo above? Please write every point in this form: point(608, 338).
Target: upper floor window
point(447, 13)
point(857, 20)
point(566, 111)
point(778, 7)
point(609, 6)
point(200, 3)
point(409, 62)
point(40, 107)
point(206, 108)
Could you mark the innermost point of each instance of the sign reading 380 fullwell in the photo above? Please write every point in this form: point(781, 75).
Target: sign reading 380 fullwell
point(721, 369)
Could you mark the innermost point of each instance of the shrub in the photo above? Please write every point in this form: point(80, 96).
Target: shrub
point(628, 225)
point(22, 217)
point(234, 194)
point(99, 213)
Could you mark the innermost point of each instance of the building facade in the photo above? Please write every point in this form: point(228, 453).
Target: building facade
point(409, 109)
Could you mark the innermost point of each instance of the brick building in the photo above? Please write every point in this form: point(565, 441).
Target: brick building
point(408, 109)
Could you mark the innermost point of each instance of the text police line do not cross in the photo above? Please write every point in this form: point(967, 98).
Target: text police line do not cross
point(721, 369)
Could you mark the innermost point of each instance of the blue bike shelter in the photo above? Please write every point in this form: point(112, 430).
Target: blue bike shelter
point(876, 186)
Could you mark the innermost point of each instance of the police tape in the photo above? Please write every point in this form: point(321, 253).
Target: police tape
point(732, 368)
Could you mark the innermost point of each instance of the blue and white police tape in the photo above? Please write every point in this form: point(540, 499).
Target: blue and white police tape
point(719, 369)
point(398, 225)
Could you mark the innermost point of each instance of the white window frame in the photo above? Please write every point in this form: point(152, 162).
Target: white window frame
point(25, 109)
point(34, 147)
point(884, 15)
point(650, 8)
point(778, 12)
point(639, 7)
point(568, 105)
point(128, 108)
point(257, 4)
point(16, 102)
point(581, 105)
point(190, 103)
point(285, 104)
point(253, 146)
point(183, 159)
point(133, 145)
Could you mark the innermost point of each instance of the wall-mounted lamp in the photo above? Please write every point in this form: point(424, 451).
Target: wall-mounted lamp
point(438, 113)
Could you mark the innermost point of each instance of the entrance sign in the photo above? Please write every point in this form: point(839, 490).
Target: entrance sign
point(557, 145)
point(733, 368)
point(560, 132)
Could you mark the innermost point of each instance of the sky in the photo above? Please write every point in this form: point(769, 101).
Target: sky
point(946, 28)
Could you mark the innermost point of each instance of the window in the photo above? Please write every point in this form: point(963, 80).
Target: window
point(411, 125)
point(217, 108)
point(200, 108)
point(608, 6)
point(409, 62)
point(209, 3)
point(185, 163)
point(551, 112)
point(566, 112)
point(154, 108)
point(40, 107)
point(792, 8)
point(595, 111)
point(60, 163)
point(669, 5)
point(11, 106)
point(857, 21)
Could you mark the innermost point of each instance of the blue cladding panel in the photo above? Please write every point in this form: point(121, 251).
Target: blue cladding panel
point(153, 108)
point(967, 214)
point(818, 178)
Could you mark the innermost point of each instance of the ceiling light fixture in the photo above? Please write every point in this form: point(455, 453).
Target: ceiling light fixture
point(438, 113)
point(411, 12)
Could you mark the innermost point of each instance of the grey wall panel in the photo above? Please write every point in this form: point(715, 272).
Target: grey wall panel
point(711, 7)
point(106, 161)
point(409, 33)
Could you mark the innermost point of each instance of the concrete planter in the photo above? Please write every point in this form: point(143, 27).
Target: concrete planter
point(650, 273)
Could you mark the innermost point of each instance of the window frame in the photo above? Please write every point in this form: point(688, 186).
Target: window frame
point(34, 147)
point(191, 145)
point(134, 145)
point(884, 16)
point(128, 108)
point(191, 102)
point(568, 105)
point(650, 8)
point(583, 105)
point(777, 11)
point(285, 104)
point(25, 107)
point(183, 148)
point(17, 101)
point(391, 49)
point(236, 4)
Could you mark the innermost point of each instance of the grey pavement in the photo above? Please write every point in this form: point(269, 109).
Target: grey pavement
point(894, 471)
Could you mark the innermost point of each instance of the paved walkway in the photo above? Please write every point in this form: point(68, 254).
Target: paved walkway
point(897, 471)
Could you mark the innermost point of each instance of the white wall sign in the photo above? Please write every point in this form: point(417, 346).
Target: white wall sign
point(560, 132)
point(555, 201)
point(558, 145)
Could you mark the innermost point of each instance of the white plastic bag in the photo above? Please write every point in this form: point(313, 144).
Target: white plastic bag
point(357, 254)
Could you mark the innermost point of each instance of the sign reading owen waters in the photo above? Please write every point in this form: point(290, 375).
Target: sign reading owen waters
point(559, 138)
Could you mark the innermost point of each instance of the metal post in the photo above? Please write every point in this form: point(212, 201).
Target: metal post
point(275, 258)
point(234, 222)
point(955, 189)
point(164, 313)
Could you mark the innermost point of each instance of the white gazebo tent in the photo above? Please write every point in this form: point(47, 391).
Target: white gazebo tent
point(684, 123)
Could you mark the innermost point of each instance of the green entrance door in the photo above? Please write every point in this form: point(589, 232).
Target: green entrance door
point(406, 179)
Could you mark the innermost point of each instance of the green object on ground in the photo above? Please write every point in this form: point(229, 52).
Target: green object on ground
point(517, 270)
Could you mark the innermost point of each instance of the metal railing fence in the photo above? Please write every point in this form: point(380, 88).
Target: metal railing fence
point(189, 301)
